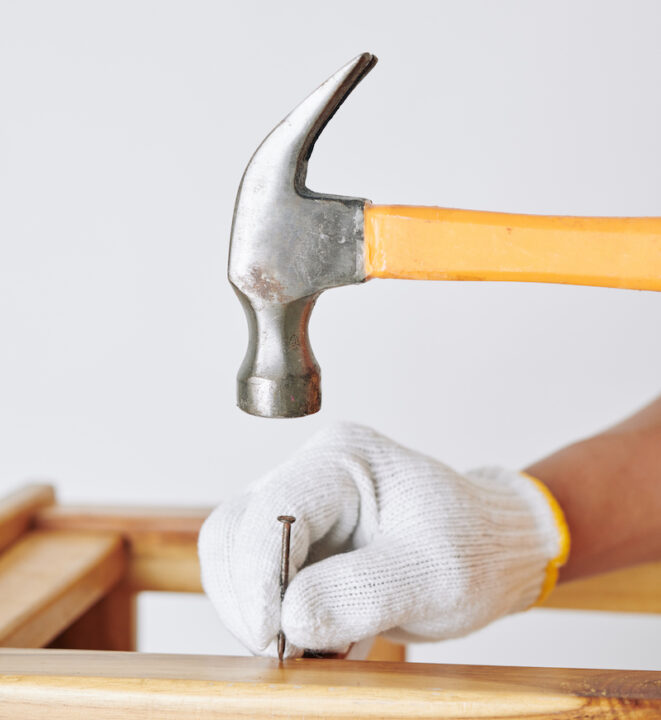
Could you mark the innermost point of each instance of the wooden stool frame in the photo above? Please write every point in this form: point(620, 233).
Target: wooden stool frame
point(68, 581)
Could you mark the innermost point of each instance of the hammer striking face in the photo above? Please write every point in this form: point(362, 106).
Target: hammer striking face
point(289, 244)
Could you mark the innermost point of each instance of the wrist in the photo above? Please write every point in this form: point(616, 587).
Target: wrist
point(609, 487)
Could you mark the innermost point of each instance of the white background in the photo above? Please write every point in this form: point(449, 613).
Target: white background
point(124, 130)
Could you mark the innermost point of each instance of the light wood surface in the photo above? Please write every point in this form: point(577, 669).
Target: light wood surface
point(173, 523)
point(162, 542)
point(429, 243)
point(18, 509)
point(54, 684)
point(635, 589)
point(48, 579)
point(164, 565)
point(383, 650)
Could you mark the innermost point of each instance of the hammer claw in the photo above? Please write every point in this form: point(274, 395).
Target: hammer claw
point(310, 118)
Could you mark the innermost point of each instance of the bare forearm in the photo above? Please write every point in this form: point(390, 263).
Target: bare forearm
point(609, 487)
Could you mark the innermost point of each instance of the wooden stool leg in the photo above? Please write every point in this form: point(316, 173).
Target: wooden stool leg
point(108, 625)
point(387, 651)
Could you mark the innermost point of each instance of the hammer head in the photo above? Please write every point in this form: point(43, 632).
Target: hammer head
point(288, 245)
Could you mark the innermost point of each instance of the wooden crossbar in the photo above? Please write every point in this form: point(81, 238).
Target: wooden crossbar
point(163, 556)
point(162, 541)
point(54, 684)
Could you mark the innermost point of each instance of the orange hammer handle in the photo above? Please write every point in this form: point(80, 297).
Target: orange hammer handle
point(428, 243)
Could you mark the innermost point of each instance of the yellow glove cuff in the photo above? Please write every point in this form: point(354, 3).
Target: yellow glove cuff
point(565, 542)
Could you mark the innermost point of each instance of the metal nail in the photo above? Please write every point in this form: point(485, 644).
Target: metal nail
point(287, 521)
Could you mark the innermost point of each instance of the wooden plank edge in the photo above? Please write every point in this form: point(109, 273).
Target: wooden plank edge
point(57, 684)
point(182, 524)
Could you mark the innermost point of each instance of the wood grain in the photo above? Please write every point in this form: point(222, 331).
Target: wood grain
point(18, 509)
point(49, 579)
point(54, 684)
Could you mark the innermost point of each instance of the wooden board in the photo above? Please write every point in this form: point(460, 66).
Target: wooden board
point(162, 541)
point(635, 589)
point(18, 509)
point(49, 579)
point(54, 684)
point(156, 522)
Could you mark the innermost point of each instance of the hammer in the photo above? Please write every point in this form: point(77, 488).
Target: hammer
point(289, 243)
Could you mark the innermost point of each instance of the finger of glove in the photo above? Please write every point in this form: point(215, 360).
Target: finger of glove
point(216, 550)
point(352, 596)
point(244, 584)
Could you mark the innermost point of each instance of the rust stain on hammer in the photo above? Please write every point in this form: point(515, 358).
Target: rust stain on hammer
point(266, 287)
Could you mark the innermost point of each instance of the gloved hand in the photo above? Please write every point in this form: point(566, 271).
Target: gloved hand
point(385, 539)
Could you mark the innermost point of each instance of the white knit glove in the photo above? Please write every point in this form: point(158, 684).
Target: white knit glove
point(385, 539)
